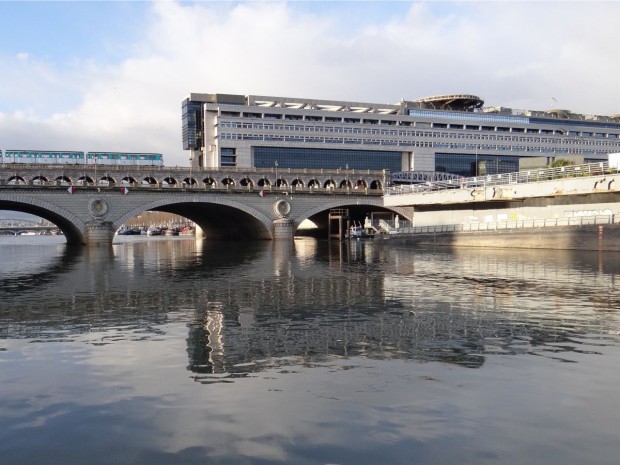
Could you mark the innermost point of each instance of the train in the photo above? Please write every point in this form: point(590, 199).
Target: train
point(53, 157)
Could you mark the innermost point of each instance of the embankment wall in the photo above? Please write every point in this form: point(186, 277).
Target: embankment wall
point(587, 237)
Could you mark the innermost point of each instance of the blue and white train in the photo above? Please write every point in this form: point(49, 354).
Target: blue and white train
point(51, 157)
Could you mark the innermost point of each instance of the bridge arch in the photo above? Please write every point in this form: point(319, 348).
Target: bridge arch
point(72, 227)
point(218, 218)
point(358, 210)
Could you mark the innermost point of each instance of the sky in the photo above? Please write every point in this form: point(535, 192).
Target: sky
point(111, 75)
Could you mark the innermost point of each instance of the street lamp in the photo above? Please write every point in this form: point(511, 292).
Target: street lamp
point(276, 163)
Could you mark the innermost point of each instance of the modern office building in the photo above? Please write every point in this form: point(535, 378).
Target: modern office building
point(451, 133)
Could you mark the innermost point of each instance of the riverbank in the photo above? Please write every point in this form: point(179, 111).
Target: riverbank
point(605, 238)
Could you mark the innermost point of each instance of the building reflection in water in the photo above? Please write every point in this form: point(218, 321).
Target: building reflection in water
point(253, 306)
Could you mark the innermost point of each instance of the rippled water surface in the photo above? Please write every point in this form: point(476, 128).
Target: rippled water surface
point(176, 351)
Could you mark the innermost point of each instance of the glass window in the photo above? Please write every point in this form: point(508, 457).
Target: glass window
point(464, 164)
point(293, 157)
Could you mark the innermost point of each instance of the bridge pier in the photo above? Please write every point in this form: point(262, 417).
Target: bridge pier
point(283, 229)
point(99, 234)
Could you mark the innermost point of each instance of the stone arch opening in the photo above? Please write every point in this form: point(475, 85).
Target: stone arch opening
point(357, 215)
point(314, 184)
point(345, 184)
point(360, 184)
point(376, 184)
point(246, 182)
point(107, 180)
point(71, 226)
point(40, 179)
point(85, 181)
point(218, 220)
point(149, 180)
point(169, 181)
point(128, 181)
point(297, 183)
point(263, 182)
point(329, 184)
point(190, 181)
point(63, 180)
point(281, 182)
point(210, 182)
point(228, 182)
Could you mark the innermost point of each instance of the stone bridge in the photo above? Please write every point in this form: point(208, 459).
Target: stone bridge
point(90, 203)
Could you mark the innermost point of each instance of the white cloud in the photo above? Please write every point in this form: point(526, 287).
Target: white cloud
point(509, 53)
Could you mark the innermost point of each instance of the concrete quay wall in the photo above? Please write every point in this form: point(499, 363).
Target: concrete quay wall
point(509, 192)
point(587, 237)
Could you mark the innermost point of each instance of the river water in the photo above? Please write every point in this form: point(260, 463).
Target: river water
point(177, 351)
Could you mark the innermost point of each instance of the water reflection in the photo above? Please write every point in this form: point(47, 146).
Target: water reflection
point(177, 351)
point(249, 307)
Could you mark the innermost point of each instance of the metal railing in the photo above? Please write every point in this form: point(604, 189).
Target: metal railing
point(525, 176)
point(520, 224)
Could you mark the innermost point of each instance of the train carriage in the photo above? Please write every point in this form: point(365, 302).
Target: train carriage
point(45, 157)
point(48, 157)
point(125, 158)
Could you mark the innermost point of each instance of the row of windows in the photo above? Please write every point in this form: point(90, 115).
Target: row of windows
point(421, 124)
point(575, 136)
point(291, 117)
point(467, 116)
point(418, 143)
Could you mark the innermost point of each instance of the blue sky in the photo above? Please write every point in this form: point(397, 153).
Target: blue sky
point(63, 31)
point(112, 75)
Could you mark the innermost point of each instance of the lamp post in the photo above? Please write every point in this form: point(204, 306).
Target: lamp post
point(191, 160)
point(276, 163)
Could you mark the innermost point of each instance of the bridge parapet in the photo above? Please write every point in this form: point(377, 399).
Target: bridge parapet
point(154, 176)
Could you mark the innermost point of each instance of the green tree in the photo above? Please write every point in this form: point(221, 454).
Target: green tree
point(558, 162)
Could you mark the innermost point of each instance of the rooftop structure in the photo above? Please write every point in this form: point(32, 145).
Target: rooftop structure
point(451, 133)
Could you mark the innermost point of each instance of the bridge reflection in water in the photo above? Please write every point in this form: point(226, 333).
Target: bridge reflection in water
point(254, 306)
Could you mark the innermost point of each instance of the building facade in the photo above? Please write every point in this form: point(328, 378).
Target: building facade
point(451, 133)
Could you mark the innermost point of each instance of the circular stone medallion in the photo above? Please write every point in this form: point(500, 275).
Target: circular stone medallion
point(98, 207)
point(281, 208)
